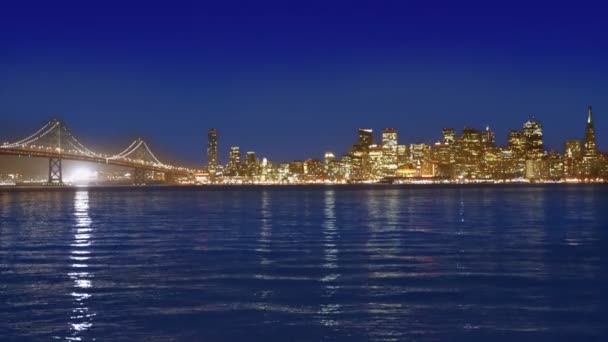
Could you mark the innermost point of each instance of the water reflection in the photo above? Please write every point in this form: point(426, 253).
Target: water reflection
point(81, 317)
point(266, 229)
point(330, 257)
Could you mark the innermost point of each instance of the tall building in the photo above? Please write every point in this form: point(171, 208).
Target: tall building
point(590, 149)
point(449, 136)
point(330, 164)
point(366, 137)
point(251, 162)
point(389, 152)
point(468, 154)
point(591, 161)
point(515, 155)
point(234, 164)
point(488, 137)
point(389, 137)
point(212, 150)
point(533, 134)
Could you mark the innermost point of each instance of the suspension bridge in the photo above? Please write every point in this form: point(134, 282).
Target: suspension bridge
point(55, 142)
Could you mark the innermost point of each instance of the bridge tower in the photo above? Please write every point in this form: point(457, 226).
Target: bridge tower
point(55, 169)
point(55, 172)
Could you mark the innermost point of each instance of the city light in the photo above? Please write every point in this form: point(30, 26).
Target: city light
point(82, 175)
point(469, 157)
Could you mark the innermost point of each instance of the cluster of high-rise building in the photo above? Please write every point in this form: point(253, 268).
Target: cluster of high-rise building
point(472, 156)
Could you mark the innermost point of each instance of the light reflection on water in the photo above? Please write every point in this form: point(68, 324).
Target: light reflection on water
point(81, 318)
point(329, 310)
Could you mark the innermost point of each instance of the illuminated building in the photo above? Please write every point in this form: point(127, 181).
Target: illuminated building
point(251, 163)
point(329, 158)
point(375, 155)
point(345, 167)
point(443, 158)
point(296, 168)
point(590, 149)
point(366, 137)
point(493, 163)
point(426, 168)
point(314, 169)
point(448, 136)
point(389, 137)
point(488, 138)
point(590, 162)
point(360, 168)
point(468, 154)
point(533, 134)
point(389, 152)
point(359, 162)
point(419, 151)
point(534, 168)
point(234, 165)
point(515, 159)
point(212, 151)
point(572, 158)
point(403, 154)
point(554, 164)
point(330, 164)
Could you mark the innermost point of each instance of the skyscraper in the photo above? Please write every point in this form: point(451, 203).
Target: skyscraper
point(234, 165)
point(449, 136)
point(366, 137)
point(590, 149)
point(389, 151)
point(572, 158)
point(251, 162)
point(488, 137)
point(533, 134)
point(212, 150)
point(389, 137)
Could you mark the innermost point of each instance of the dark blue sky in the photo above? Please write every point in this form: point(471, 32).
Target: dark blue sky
point(291, 79)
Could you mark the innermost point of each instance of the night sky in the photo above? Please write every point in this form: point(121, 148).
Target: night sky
point(292, 79)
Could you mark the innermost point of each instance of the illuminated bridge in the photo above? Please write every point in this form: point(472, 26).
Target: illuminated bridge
point(55, 142)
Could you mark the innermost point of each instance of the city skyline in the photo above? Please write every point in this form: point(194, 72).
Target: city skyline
point(268, 75)
point(377, 137)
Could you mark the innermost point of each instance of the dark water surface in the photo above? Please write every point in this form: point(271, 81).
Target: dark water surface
point(305, 264)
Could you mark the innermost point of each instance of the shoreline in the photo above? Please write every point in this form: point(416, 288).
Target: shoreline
point(68, 188)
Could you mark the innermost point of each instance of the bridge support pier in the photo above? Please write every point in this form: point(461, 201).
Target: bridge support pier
point(138, 176)
point(55, 172)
